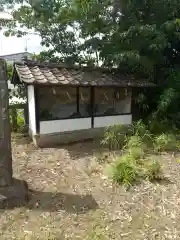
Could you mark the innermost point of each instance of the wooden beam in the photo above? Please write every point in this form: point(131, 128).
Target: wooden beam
point(36, 96)
point(77, 99)
point(92, 107)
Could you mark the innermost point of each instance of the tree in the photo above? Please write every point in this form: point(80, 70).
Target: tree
point(136, 36)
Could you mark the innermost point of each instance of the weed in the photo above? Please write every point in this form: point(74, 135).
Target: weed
point(134, 141)
point(165, 142)
point(133, 165)
point(152, 170)
point(139, 128)
point(136, 152)
point(124, 170)
point(114, 136)
point(161, 126)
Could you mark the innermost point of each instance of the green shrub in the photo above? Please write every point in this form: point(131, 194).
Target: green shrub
point(140, 135)
point(165, 142)
point(161, 126)
point(127, 170)
point(20, 121)
point(139, 128)
point(134, 141)
point(114, 136)
point(118, 136)
point(152, 170)
point(136, 152)
point(123, 171)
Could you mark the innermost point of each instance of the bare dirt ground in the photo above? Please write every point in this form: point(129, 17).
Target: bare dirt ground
point(70, 198)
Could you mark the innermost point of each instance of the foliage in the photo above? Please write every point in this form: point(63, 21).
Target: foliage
point(129, 168)
point(157, 127)
point(134, 142)
point(134, 135)
point(20, 122)
point(134, 164)
point(136, 152)
point(10, 70)
point(129, 35)
point(165, 142)
point(123, 171)
point(115, 136)
point(152, 170)
point(139, 129)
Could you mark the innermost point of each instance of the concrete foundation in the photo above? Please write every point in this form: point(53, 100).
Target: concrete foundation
point(50, 140)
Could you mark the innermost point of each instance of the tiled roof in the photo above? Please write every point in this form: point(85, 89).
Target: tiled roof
point(36, 73)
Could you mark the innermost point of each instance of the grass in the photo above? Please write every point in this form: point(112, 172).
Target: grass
point(114, 136)
point(127, 170)
point(136, 144)
point(152, 170)
point(165, 142)
point(123, 170)
point(20, 122)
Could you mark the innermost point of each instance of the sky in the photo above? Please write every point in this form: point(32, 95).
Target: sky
point(9, 45)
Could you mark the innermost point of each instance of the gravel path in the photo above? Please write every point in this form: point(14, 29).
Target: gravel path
point(70, 198)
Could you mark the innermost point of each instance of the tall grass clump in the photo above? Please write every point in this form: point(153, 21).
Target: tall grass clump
point(152, 170)
point(115, 136)
point(135, 142)
point(127, 170)
point(165, 142)
point(123, 171)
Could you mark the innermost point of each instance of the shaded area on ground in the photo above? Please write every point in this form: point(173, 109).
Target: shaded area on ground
point(72, 203)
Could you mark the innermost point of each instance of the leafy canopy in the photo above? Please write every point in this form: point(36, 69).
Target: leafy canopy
point(138, 36)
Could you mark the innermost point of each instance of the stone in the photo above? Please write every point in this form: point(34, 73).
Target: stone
point(14, 195)
point(13, 192)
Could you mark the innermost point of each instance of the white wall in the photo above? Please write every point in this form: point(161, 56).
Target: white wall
point(32, 111)
point(56, 126)
point(112, 120)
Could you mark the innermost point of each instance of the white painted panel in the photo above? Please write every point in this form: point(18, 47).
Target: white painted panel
point(56, 126)
point(112, 120)
point(32, 111)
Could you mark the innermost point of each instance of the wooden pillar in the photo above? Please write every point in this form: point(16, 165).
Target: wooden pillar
point(92, 106)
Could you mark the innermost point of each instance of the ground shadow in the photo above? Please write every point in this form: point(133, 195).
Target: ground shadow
point(52, 202)
point(83, 149)
point(163, 181)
